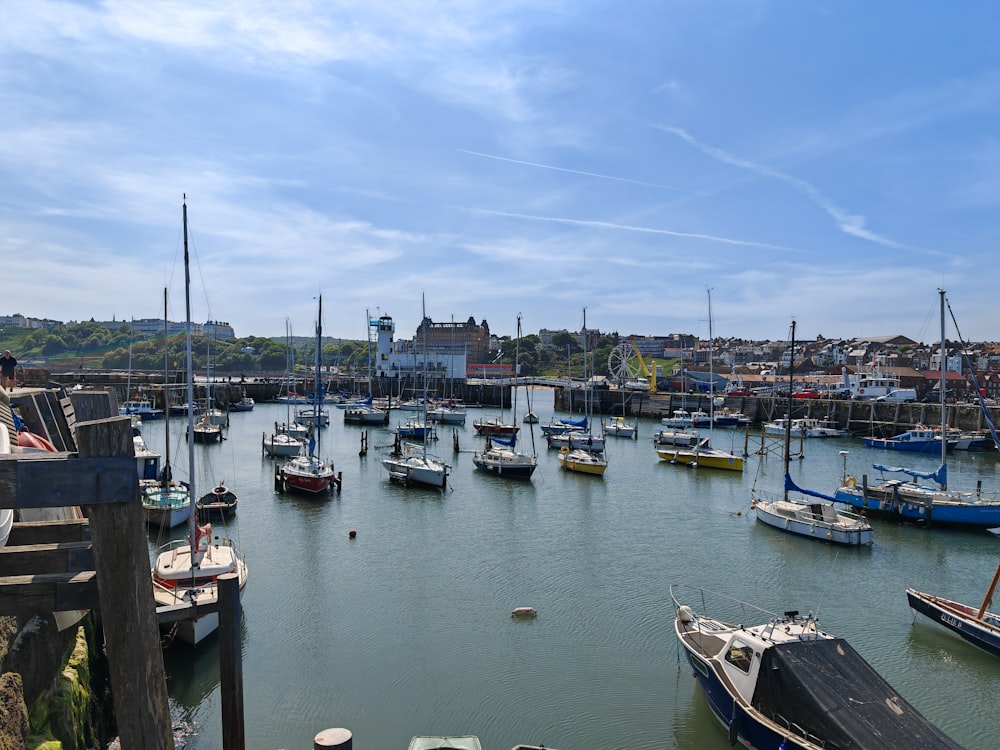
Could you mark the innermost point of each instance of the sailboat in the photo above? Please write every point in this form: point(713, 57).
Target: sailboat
point(701, 453)
point(186, 571)
point(286, 439)
point(975, 624)
point(501, 457)
point(911, 502)
point(308, 472)
point(165, 502)
point(815, 520)
point(416, 465)
point(363, 411)
point(584, 460)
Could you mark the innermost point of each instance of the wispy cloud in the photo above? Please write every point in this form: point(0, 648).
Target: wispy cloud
point(853, 224)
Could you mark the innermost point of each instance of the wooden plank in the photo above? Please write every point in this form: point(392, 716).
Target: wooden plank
point(49, 532)
point(53, 480)
point(29, 559)
point(93, 405)
point(27, 595)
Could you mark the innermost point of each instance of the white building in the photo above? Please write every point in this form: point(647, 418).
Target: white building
point(398, 358)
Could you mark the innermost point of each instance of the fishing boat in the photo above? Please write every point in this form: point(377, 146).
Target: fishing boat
point(807, 513)
point(414, 465)
point(910, 501)
point(186, 571)
point(500, 456)
point(778, 681)
point(974, 624)
point(308, 472)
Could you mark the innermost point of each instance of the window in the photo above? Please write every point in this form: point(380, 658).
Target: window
point(739, 655)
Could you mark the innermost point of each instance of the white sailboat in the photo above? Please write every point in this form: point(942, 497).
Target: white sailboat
point(416, 465)
point(500, 456)
point(286, 440)
point(186, 571)
point(807, 513)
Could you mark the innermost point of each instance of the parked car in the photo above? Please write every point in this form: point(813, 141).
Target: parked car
point(806, 393)
point(739, 392)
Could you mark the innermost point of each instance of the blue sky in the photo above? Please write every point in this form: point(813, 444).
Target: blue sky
point(835, 162)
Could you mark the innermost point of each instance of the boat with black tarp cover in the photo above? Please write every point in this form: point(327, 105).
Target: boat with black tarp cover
point(786, 683)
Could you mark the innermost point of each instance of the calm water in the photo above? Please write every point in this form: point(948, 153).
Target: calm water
point(406, 629)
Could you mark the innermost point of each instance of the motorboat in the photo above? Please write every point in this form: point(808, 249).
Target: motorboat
point(779, 681)
point(918, 439)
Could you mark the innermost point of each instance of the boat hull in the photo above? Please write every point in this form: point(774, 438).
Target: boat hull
point(506, 464)
point(582, 462)
point(853, 535)
point(415, 470)
point(959, 619)
point(692, 458)
point(922, 507)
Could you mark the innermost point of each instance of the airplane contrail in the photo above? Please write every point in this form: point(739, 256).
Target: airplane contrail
point(564, 169)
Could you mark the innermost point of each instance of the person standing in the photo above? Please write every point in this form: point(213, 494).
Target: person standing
point(8, 367)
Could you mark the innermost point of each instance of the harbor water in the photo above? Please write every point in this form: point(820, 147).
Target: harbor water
point(406, 629)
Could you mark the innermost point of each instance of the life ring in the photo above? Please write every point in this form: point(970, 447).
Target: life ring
point(861, 390)
point(852, 482)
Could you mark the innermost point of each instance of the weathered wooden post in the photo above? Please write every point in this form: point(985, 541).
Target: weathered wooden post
point(231, 662)
point(121, 560)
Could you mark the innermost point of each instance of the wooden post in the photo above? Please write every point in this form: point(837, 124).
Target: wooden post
point(231, 662)
point(337, 737)
point(131, 634)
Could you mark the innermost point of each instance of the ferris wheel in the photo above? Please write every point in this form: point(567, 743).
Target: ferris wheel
point(622, 363)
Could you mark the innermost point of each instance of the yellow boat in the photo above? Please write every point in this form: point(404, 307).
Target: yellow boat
point(711, 458)
point(583, 462)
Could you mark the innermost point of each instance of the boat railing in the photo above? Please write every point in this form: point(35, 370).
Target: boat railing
point(794, 728)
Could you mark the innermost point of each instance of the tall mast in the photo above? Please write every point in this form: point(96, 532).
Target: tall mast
point(192, 521)
point(166, 399)
point(788, 417)
point(944, 413)
point(424, 324)
point(317, 394)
